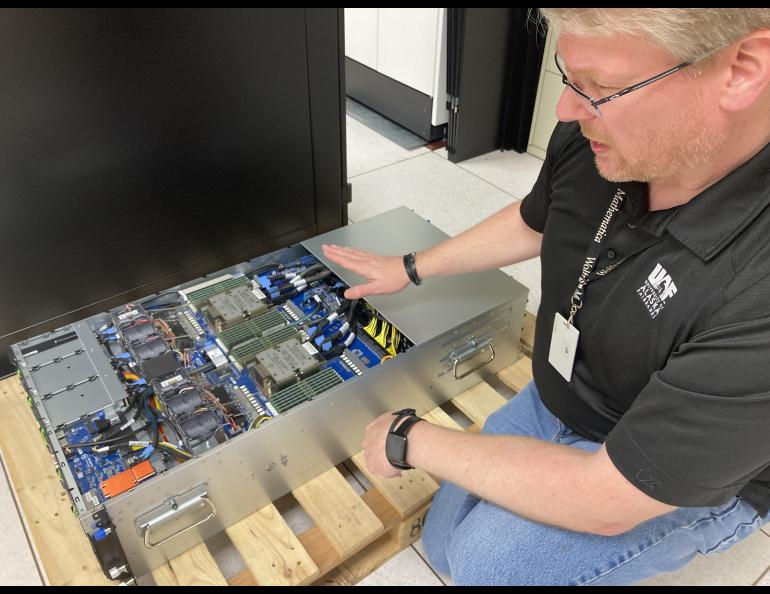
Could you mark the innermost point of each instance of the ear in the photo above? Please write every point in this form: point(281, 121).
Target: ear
point(749, 72)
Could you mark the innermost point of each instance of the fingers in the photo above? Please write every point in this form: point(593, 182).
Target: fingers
point(360, 268)
point(383, 273)
point(347, 253)
point(355, 260)
point(361, 291)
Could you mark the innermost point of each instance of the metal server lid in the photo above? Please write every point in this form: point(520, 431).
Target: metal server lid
point(438, 305)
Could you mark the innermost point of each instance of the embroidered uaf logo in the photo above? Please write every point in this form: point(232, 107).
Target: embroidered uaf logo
point(658, 287)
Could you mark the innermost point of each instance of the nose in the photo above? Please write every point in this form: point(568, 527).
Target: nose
point(572, 107)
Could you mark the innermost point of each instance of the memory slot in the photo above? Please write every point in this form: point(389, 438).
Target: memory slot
point(305, 390)
point(245, 353)
point(200, 296)
point(257, 326)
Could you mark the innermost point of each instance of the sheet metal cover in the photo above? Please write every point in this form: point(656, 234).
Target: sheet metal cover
point(439, 304)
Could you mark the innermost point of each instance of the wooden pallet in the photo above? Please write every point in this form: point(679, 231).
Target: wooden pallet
point(352, 535)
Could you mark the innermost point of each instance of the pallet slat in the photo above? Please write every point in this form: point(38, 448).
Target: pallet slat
point(518, 375)
point(195, 567)
point(478, 402)
point(339, 512)
point(406, 493)
point(527, 340)
point(270, 549)
point(439, 417)
point(45, 503)
point(319, 548)
point(352, 571)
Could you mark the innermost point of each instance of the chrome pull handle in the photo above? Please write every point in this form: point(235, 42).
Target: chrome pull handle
point(479, 366)
point(148, 526)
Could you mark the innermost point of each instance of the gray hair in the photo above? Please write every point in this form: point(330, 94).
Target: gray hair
point(688, 33)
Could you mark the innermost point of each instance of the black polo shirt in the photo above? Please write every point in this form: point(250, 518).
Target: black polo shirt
point(672, 370)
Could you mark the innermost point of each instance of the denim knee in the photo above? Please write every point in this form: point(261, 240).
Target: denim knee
point(476, 558)
point(515, 417)
point(524, 414)
point(435, 545)
point(497, 423)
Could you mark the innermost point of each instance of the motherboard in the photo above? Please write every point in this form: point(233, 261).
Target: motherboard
point(203, 364)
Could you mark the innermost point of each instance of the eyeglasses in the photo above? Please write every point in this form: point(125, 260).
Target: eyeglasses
point(595, 103)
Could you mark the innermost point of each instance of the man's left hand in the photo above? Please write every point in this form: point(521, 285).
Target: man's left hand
point(374, 447)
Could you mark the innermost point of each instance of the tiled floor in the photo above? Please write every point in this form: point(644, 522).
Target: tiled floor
point(453, 197)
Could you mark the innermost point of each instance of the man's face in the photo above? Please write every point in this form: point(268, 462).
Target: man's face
point(654, 133)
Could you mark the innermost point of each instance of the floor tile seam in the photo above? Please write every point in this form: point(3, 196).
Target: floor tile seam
point(389, 165)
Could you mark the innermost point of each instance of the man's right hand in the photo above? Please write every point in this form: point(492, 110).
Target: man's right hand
point(384, 274)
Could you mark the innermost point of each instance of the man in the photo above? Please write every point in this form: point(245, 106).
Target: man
point(644, 437)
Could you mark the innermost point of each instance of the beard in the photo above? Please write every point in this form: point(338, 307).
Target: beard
point(676, 144)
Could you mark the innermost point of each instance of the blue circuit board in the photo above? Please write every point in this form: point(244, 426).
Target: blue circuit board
point(90, 468)
point(367, 355)
point(246, 401)
point(233, 381)
point(238, 382)
point(305, 300)
point(307, 304)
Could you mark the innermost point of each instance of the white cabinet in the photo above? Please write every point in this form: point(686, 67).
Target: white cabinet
point(406, 45)
point(361, 35)
point(549, 90)
point(396, 64)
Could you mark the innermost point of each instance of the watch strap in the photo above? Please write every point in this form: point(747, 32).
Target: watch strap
point(399, 432)
point(411, 268)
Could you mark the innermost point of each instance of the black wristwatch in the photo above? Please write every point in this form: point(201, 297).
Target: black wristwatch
point(395, 443)
point(411, 268)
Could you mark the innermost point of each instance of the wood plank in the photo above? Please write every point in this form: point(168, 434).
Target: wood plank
point(518, 375)
point(318, 546)
point(320, 549)
point(410, 530)
point(362, 564)
point(478, 402)
point(195, 567)
point(271, 551)
point(406, 493)
point(439, 417)
point(528, 334)
point(382, 508)
point(44, 502)
point(244, 578)
point(339, 512)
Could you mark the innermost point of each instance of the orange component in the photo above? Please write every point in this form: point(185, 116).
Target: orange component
point(132, 377)
point(127, 480)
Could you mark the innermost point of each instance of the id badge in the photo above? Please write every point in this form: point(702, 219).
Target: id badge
point(564, 340)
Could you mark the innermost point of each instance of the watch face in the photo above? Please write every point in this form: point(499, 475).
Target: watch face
point(395, 448)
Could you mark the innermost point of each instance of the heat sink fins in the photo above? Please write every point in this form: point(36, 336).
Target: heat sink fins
point(253, 328)
point(245, 353)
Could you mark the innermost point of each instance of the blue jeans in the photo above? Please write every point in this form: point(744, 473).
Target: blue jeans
point(476, 542)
